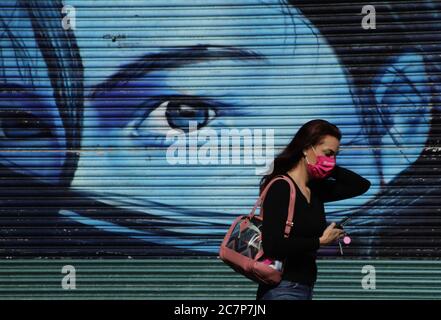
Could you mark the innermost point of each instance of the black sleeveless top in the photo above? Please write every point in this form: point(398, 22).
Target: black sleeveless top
point(300, 248)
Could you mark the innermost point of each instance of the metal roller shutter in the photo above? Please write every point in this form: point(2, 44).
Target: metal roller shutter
point(133, 132)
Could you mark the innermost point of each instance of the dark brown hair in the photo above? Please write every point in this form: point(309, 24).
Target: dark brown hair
point(310, 134)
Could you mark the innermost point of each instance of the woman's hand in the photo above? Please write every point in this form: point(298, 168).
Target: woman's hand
point(331, 234)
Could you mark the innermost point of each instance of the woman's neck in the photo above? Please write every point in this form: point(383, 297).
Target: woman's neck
point(299, 173)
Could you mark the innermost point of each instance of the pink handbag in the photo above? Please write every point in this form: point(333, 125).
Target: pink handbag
point(242, 249)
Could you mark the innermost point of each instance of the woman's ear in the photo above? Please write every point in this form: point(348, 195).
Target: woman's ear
point(305, 152)
point(402, 98)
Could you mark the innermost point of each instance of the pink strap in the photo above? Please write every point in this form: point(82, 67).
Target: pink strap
point(259, 202)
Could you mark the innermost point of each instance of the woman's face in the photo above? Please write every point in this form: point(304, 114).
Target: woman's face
point(329, 146)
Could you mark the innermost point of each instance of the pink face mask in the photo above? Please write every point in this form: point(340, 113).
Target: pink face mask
point(322, 168)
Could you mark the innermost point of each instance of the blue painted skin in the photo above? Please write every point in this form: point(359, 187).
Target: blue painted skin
point(277, 67)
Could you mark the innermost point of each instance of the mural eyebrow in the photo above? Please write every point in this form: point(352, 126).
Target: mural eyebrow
point(170, 59)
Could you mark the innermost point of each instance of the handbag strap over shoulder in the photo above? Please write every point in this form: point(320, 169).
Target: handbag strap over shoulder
point(292, 198)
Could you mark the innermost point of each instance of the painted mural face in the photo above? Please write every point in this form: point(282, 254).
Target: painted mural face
point(152, 73)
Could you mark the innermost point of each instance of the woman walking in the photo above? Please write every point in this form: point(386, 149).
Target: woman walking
point(309, 160)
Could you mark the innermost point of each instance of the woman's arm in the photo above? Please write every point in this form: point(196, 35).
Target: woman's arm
point(275, 213)
point(347, 184)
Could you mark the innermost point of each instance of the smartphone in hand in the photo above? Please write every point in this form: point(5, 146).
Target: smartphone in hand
point(342, 223)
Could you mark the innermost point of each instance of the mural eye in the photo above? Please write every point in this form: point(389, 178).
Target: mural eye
point(22, 125)
point(179, 114)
